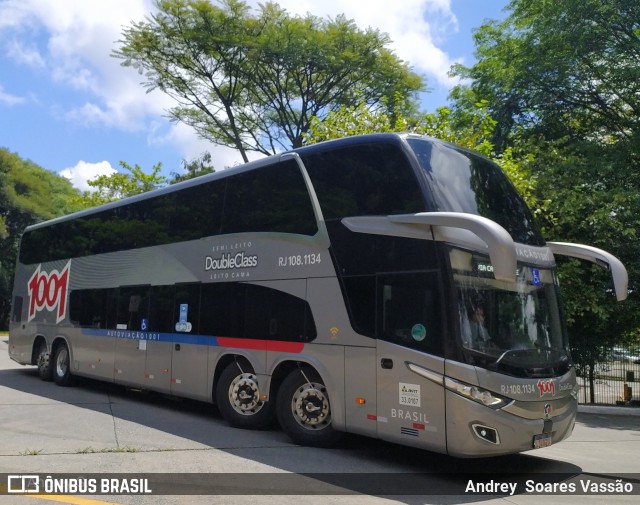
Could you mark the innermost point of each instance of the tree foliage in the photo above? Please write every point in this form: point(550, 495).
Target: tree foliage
point(253, 82)
point(134, 180)
point(195, 168)
point(28, 194)
point(108, 188)
point(566, 70)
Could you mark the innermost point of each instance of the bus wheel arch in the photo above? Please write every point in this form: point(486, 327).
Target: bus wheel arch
point(61, 362)
point(41, 357)
point(304, 409)
point(238, 395)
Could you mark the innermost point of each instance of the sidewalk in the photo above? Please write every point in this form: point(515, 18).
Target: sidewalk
point(609, 410)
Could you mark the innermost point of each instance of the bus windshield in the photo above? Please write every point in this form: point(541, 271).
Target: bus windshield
point(511, 328)
point(461, 181)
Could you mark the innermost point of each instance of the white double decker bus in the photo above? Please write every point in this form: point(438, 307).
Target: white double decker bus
point(388, 285)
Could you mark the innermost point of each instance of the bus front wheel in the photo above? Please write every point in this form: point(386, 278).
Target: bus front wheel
point(62, 365)
point(238, 398)
point(304, 411)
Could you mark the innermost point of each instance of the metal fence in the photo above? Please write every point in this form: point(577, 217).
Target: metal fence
point(613, 381)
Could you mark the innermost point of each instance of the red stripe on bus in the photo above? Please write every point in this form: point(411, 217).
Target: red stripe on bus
point(242, 343)
point(280, 346)
point(259, 345)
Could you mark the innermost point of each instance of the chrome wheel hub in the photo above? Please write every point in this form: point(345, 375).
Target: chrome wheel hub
point(244, 395)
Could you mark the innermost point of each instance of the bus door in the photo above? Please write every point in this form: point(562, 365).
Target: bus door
point(411, 403)
point(159, 344)
point(189, 354)
point(130, 355)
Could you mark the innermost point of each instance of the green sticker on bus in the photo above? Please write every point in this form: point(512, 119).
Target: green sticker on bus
point(418, 332)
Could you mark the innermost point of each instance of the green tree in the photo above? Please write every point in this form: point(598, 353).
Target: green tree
point(194, 168)
point(253, 82)
point(28, 194)
point(562, 69)
point(108, 188)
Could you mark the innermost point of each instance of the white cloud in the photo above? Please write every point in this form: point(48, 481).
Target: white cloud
point(27, 54)
point(14, 12)
point(84, 171)
point(191, 146)
point(416, 27)
point(88, 114)
point(76, 38)
point(9, 99)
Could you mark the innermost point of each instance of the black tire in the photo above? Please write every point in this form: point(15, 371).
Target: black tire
point(304, 411)
point(238, 398)
point(61, 365)
point(43, 361)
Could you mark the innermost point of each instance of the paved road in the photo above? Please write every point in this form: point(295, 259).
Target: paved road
point(101, 428)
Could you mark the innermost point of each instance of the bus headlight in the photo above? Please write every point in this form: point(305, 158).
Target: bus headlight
point(477, 394)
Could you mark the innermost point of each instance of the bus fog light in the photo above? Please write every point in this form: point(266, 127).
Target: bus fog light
point(477, 394)
point(486, 433)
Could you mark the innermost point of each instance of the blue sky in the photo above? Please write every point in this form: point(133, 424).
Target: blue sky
point(68, 106)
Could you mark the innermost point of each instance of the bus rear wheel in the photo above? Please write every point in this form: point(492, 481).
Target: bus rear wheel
point(238, 398)
point(304, 411)
point(43, 360)
point(62, 365)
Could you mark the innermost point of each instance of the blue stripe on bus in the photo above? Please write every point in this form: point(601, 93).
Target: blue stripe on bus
point(205, 340)
point(153, 336)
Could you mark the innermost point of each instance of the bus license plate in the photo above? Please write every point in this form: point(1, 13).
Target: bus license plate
point(542, 440)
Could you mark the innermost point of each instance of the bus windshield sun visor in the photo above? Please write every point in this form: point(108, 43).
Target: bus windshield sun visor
point(501, 247)
point(599, 257)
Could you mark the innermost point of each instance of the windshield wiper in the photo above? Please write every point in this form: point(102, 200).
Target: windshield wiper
point(537, 349)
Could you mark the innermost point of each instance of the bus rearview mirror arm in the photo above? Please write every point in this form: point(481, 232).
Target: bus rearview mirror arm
point(501, 248)
point(599, 257)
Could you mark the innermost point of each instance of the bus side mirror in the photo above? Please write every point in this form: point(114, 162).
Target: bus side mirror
point(599, 257)
point(442, 226)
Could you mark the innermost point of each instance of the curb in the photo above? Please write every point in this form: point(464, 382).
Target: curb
point(612, 411)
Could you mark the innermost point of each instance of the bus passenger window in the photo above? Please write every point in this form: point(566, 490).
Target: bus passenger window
point(276, 315)
point(161, 309)
point(87, 308)
point(222, 309)
point(133, 307)
point(274, 199)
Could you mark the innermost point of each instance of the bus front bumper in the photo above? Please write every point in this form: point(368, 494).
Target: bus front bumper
point(474, 430)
